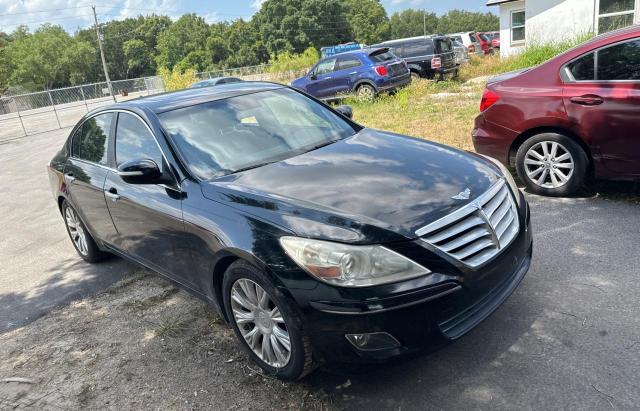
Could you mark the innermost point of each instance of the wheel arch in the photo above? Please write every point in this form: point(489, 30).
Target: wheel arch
point(558, 130)
point(367, 82)
point(223, 261)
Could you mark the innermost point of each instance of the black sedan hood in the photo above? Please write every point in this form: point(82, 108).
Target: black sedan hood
point(372, 187)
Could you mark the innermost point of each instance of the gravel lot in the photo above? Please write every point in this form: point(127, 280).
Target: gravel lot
point(569, 338)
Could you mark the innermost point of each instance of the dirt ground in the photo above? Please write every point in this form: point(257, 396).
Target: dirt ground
point(142, 343)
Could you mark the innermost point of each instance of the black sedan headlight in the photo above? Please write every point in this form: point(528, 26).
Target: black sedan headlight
point(350, 265)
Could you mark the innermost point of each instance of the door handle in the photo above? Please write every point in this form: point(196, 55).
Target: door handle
point(69, 177)
point(587, 100)
point(112, 193)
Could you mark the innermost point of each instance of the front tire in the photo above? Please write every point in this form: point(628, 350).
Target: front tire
point(82, 241)
point(415, 76)
point(266, 322)
point(552, 164)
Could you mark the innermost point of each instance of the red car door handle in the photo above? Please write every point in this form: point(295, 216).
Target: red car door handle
point(588, 100)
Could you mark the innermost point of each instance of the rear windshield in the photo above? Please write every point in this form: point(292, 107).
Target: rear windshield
point(443, 45)
point(381, 55)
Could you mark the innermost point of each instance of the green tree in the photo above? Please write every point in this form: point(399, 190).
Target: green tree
point(412, 22)
point(189, 33)
point(368, 20)
point(48, 58)
point(461, 20)
point(294, 25)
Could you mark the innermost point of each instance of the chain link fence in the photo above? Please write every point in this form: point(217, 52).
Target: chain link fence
point(32, 113)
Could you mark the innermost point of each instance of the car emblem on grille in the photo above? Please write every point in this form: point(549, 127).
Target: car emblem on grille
point(464, 195)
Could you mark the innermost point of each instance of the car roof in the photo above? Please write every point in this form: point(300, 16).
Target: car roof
point(363, 51)
point(160, 103)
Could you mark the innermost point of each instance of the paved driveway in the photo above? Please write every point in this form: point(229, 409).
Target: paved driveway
point(39, 268)
point(569, 338)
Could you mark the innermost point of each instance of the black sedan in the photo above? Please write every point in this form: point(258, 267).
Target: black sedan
point(315, 238)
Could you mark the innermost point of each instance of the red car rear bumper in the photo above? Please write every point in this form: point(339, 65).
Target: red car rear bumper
point(492, 140)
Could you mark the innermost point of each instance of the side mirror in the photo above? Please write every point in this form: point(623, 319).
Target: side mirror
point(346, 111)
point(142, 171)
point(313, 76)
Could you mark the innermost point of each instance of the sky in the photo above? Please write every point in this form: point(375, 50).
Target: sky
point(78, 14)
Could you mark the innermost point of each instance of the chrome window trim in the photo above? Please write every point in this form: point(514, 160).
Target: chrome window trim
point(595, 51)
point(115, 170)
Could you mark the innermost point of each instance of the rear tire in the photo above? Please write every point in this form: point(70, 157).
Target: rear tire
point(251, 299)
point(81, 239)
point(415, 76)
point(552, 164)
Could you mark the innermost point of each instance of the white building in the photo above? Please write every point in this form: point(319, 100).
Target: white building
point(525, 22)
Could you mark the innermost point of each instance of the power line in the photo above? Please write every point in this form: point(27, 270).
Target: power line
point(43, 11)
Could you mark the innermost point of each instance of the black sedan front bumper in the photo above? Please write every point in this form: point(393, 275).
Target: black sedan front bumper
point(420, 318)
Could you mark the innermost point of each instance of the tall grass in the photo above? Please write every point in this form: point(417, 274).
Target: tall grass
point(532, 55)
point(287, 61)
point(177, 79)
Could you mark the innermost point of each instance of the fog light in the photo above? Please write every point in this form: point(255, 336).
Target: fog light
point(373, 341)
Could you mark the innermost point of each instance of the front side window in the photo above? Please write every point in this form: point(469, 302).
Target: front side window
point(91, 139)
point(325, 67)
point(615, 14)
point(225, 136)
point(619, 62)
point(583, 69)
point(518, 19)
point(135, 142)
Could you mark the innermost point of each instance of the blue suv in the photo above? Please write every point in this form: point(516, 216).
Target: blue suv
point(366, 72)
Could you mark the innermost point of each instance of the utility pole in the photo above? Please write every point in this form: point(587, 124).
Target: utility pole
point(424, 22)
point(104, 62)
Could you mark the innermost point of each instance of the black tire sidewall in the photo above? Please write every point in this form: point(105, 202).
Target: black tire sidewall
point(93, 252)
point(580, 160)
point(299, 361)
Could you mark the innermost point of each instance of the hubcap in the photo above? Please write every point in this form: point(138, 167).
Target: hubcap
point(549, 164)
point(78, 236)
point(261, 323)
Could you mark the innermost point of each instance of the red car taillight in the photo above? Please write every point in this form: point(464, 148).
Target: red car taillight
point(381, 70)
point(436, 63)
point(472, 49)
point(489, 98)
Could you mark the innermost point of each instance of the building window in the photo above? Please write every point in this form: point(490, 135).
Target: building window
point(615, 14)
point(518, 26)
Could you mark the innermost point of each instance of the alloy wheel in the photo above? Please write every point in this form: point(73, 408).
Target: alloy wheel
point(366, 93)
point(76, 231)
point(261, 323)
point(549, 164)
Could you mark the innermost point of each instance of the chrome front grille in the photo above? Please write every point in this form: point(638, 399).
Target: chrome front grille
point(477, 232)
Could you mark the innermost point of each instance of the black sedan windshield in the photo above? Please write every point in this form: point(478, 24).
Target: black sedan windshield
point(226, 136)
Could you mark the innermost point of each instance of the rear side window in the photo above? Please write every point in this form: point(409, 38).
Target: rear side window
point(347, 62)
point(417, 49)
point(473, 38)
point(134, 141)
point(620, 62)
point(91, 140)
point(379, 57)
point(583, 69)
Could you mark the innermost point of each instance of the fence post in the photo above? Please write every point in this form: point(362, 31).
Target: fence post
point(84, 99)
point(24, 130)
point(54, 109)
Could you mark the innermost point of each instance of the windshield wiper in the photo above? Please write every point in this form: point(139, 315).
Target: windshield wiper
point(251, 167)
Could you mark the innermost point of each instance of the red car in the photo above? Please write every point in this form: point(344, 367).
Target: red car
point(485, 43)
point(571, 119)
point(495, 39)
